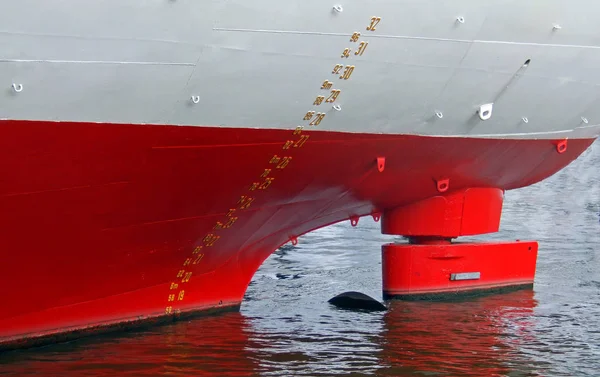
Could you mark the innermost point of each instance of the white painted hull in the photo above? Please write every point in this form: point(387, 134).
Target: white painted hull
point(261, 64)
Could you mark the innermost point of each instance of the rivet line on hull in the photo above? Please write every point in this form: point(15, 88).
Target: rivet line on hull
point(276, 163)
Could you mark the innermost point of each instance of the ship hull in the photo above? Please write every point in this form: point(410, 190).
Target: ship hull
point(154, 154)
point(108, 225)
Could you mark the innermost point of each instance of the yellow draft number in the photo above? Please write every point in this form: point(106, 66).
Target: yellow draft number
point(301, 141)
point(230, 222)
point(187, 277)
point(266, 183)
point(245, 201)
point(284, 163)
point(196, 261)
point(374, 22)
point(333, 96)
point(317, 120)
point(210, 239)
point(361, 48)
point(347, 72)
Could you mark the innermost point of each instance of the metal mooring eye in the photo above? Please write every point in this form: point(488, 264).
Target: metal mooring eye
point(460, 19)
point(443, 185)
point(485, 111)
point(439, 114)
point(337, 107)
point(17, 87)
point(195, 99)
point(561, 147)
point(381, 164)
point(338, 8)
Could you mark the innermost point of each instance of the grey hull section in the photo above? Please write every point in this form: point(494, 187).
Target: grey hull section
point(426, 69)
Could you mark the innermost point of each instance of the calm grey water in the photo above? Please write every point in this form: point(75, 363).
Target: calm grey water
point(286, 327)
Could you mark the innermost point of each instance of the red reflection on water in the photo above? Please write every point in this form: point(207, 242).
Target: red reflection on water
point(476, 337)
point(206, 347)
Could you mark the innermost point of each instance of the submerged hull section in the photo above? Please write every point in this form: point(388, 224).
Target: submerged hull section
point(105, 224)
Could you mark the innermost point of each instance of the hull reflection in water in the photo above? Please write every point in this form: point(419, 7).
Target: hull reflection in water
point(478, 337)
point(209, 346)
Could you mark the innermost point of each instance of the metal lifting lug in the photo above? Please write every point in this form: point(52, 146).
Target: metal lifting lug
point(443, 185)
point(380, 164)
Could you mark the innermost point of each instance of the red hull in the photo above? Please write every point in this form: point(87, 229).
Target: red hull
point(104, 223)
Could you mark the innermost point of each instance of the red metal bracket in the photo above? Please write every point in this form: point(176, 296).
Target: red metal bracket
point(561, 147)
point(376, 216)
point(354, 220)
point(294, 241)
point(380, 164)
